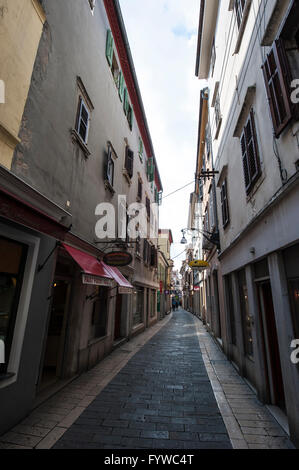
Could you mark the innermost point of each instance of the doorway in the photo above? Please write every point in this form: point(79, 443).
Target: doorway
point(55, 342)
point(272, 362)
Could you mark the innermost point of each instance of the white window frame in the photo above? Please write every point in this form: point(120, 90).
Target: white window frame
point(33, 244)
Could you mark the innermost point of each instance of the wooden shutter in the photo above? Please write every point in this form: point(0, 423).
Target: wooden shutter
point(250, 156)
point(277, 81)
point(130, 116)
point(109, 47)
point(224, 204)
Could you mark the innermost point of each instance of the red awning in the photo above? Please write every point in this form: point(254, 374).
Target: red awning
point(90, 266)
point(124, 285)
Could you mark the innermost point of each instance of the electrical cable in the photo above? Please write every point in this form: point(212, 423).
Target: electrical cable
point(180, 189)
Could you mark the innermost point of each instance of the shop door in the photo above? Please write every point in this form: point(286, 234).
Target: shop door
point(271, 347)
point(118, 312)
point(54, 354)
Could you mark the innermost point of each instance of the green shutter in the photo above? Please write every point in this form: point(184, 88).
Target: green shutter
point(121, 86)
point(130, 117)
point(126, 101)
point(109, 47)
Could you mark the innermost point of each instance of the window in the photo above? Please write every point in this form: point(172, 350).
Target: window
point(92, 4)
point(115, 70)
point(146, 253)
point(150, 170)
point(140, 187)
point(224, 204)
point(138, 301)
point(130, 116)
point(129, 162)
point(277, 80)
point(140, 151)
point(148, 207)
point(211, 209)
point(110, 167)
point(121, 86)
point(126, 101)
point(154, 257)
point(239, 10)
point(99, 314)
point(213, 58)
point(218, 116)
point(109, 47)
point(83, 121)
point(12, 264)
point(250, 155)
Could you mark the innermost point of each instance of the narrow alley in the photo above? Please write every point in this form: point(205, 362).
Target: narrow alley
point(174, 390)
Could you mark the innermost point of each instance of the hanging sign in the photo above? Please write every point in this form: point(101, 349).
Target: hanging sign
point(199, 264)
point(125, 290)
point(118, 259)
point(96, 281)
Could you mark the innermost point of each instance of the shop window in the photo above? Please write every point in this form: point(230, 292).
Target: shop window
point(246, 319)
point(137, 299)
point(152, 299)
point(12, 264)
point(100, 314)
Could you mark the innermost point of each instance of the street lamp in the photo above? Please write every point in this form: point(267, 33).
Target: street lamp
point(211, 237)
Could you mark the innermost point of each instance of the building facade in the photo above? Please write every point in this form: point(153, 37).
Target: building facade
point(165, 271)
point(83, 165)
point(248, 141)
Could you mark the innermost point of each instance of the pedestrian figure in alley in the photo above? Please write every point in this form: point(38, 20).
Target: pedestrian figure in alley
point(173, 304)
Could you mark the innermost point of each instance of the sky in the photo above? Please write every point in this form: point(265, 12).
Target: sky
point(163, 41)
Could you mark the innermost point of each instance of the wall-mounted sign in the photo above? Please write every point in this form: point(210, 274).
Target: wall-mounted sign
point(199, 264)
point(96, 281)
point(118, 259)
point(125, 290)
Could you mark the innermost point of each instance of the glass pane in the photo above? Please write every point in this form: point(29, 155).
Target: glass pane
point(12, 258)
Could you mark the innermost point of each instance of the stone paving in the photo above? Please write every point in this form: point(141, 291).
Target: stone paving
point(162, 399)
point(169, 388)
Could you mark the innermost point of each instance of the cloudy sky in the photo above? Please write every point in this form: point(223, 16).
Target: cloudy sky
point(163, 40)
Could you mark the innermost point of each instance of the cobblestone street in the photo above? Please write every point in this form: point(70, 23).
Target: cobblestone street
point(170, 394)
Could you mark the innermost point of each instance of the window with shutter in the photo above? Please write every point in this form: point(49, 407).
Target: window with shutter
point(239, 10)
point(150, 170)
point(83, 121)
point(110, 168)
point(139, 195)
point(109, 47)
point(224, 204)
point(148, 207)
point(277, 80)
point(126, 101)
point(130, 116)
point(129, 162)
point(121, 86)
point(250, 156)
